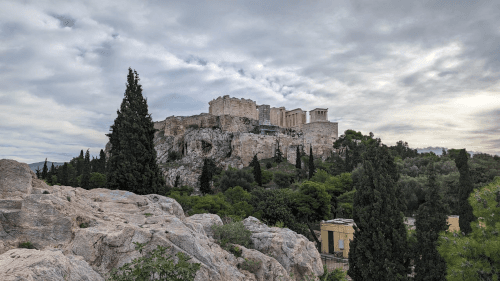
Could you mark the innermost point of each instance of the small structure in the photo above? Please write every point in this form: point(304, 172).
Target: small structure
point(453, 222)
point(335, 236)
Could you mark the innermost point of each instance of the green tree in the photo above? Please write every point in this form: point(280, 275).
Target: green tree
point(379, 250)
point(312, 205)
point(477, 255)
point(132, 165)
point(97, 180)
point(257, 173)
point(278, 155)
point(79, 163)
point(311, 162)
point(86, 171)
point(234, 177)
point(466, 215)
point(62, 174)
point(38, 174)
point(102, 162)
point(431, 219)
point(205, 179)
point(297, 159)
point(51, 173)
point(44, 170)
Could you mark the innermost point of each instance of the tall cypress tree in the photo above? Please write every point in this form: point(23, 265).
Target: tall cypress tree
point(298, 163)
point(102, 162)
point(86, 171)
point(205, 178)
point(38, 174)
point(132, 165)
point(44, 170)
point(430, 220)
point(79, 164)
point(311, 162)
point(465, 188)
point(379, 250)
point(278, 155)
point(257, 173)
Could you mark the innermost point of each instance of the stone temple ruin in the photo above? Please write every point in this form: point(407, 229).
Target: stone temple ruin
point(272, 118)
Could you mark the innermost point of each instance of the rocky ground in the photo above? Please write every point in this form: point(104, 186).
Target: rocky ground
point(82, 234)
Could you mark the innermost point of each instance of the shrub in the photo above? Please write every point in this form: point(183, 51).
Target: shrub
point(173, 156)
point(193, 126)
point(235, 250)
point(84, 225)
point(148, 214)
point(250, 265)
point(26, 245)
point(269, 165)
point(267, 176)
point(69, 198)
point(282, 180)
point(156, 265)
point(46, 192)
point(97, 180)
point(280, 224)
point(231, 178)
point(234, 233)
point(336, 275)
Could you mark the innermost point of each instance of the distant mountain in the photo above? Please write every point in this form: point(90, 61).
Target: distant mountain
point(34, 166)
point(439, 150)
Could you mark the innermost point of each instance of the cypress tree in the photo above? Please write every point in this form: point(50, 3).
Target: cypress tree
point(132, 165)
point(465, 188)
point(205, 178)
point(177, 180)
point(102, 162)
point(64, 175)
point(311, 162)
point(86, 171)
point(278, 155)
point(44, 170)
point(38, 174)
point(298, 163)
point(379, 250)
point(430, 220)
point(257, 173)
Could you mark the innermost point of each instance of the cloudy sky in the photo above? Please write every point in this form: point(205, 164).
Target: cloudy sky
point(426, 72)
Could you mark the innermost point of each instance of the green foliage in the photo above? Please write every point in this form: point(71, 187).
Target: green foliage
point(278, 155)
point(97, 180)
point(298, 162)
point(311, 163)
point(267, 176)
point(477, 255)
point(84, 225)
point(269, 165)
point(68, 198)
point(173, 156)
point(53, 180)
point(26, 245)
point(256, 171)
point(280, 224)
point(132, 165)
point(234, 233)
point(466, 215)
point(193, 126)
point(235, 250)
point(403, 151)
point(44, 170)
point(379, 250)
point(283, 180)
point(148, 215)
point(86, 171)
point(46, 192)
point(430, 220)
point(213, 204)
point(336, 275)
point(205, 179)
point(251, 265)
point(234, 177)
point(156, 265)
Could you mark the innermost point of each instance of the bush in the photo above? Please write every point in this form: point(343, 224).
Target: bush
point(250, 265)
point(155, 266)
point(148, 214)
point(231, 178)
point(193, 126)
point(269, 165)
point(97, 180)
point(336, 275)
point(26, 245)
point(267, 176)
point(84, 225)
point(69, 198)
point(46, 192)
point(283, 180)
point(235, 250)
point(173, 156)
point(234, 233)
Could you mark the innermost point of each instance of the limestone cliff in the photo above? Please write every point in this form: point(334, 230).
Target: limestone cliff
point(230, 140)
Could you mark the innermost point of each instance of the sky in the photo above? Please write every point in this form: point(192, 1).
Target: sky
point(425, 72)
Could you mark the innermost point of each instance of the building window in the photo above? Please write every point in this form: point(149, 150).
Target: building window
point(341, 244)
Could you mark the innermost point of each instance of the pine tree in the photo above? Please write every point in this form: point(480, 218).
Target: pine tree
point(278, 155)
point(132, 165)
point(44, 170)
point(51, 172)
point(379, 250)
point(86, 171)
point(63, 174)
point(298, 163)
point(257, 173)
point(205, 178)
point(38, 174)
point(311, 162)
point(431, 219)
point(465, 188)
point(102, 162)
point(79, 164)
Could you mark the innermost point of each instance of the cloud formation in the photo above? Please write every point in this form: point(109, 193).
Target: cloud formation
point(426, 72)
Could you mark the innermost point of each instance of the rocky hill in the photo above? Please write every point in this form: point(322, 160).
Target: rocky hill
point(228, 140)
point(82, 234)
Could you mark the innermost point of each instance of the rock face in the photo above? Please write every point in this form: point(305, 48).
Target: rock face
point(83, 234)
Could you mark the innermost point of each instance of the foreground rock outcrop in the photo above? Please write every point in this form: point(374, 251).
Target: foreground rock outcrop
point(82, 234)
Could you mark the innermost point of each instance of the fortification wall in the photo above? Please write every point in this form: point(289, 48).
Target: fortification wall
point(264, 114)
point(234, 107)
point(177, 125)
point(320, 132)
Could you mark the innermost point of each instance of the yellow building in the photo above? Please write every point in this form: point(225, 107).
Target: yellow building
point(335, 236)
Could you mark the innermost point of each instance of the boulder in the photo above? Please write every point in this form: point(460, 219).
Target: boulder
point(74, 229)
point(25, 264)
point(293, 251)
